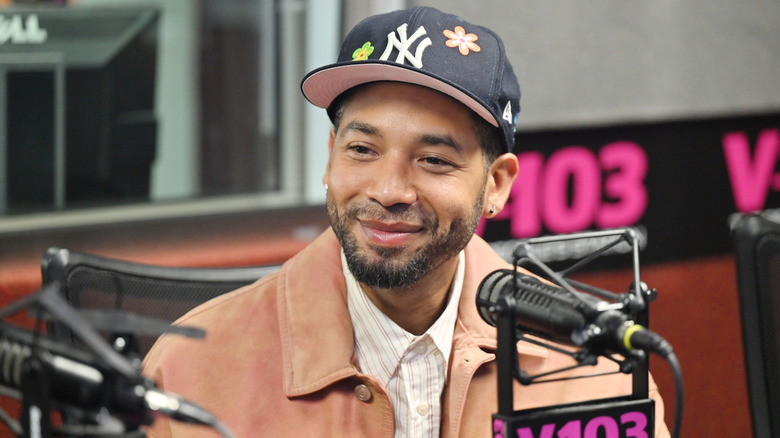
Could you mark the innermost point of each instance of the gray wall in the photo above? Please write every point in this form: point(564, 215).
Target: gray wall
point(601, 62)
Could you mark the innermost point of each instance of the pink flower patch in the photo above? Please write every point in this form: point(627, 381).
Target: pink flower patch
point(462, 40)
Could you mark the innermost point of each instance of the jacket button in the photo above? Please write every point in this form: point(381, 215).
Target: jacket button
point(362, 393)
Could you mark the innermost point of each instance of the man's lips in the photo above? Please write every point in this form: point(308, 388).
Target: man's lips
point(390, 233)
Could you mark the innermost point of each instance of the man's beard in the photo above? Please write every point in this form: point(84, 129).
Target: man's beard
point(389, 268)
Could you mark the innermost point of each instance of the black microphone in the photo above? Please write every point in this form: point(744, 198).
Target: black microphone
point(555, 314)
point(81, 381)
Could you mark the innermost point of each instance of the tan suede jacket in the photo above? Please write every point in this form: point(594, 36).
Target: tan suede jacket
point(278, 360)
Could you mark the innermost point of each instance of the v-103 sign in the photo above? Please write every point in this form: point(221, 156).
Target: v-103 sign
point(680, 180)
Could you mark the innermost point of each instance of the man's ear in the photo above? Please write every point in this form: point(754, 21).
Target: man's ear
point(331, 138)
point(501, 175)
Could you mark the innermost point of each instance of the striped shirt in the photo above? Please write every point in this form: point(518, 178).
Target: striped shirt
point(412, 368)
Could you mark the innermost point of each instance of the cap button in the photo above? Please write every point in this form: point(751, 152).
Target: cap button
point(362, 393)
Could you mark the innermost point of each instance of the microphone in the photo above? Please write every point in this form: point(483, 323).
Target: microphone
point(79, 380)
point(555, 314)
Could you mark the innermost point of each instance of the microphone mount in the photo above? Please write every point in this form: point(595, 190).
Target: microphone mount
point(610, 309)
point(595, 322)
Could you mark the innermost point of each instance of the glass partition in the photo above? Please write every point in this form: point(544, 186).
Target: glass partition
point(113, 111)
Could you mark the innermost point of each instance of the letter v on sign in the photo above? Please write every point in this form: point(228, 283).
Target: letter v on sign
point(546, 432)
point(752, 176)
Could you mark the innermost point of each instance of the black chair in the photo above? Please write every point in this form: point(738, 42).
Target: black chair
point(131, 303)
point(757, 253)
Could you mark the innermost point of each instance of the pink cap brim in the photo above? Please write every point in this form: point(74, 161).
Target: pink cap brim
point(323, 86)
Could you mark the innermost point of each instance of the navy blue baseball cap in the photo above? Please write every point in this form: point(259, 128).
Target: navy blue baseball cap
point(425, 46)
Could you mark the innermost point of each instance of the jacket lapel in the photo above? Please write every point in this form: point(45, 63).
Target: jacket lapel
point(317, 339)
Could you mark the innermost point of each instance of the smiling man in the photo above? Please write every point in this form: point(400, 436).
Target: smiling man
point(408, 184)
point(372, 330)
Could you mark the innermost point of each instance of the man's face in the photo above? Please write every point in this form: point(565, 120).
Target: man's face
point(406, 180)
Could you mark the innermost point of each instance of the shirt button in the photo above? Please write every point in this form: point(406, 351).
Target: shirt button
point(422, 410)
point(362, 393)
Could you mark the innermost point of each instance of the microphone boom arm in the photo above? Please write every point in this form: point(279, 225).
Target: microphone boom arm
point(97, 384)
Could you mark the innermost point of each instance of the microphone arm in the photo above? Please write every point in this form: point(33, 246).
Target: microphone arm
point(45, 374)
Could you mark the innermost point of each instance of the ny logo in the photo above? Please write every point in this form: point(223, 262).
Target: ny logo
point(403, 46)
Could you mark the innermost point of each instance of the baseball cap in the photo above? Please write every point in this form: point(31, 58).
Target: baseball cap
point(425, 46)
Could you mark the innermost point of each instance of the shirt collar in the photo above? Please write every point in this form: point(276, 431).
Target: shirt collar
point(379, 342)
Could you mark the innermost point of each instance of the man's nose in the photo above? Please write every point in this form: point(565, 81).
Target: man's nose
point(391, 184)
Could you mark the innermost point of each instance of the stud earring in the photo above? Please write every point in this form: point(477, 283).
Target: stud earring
point(326, 187)
point(492, 209)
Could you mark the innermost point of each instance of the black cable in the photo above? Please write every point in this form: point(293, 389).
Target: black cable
point(653, 342)
point(639, 337)
point(674, 364)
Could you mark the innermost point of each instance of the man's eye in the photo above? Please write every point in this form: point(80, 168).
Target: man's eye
point(435, 161)
point(360, 149)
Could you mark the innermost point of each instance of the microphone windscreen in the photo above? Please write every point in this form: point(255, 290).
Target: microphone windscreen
point(540, 309)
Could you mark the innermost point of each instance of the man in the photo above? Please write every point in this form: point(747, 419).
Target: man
point(372, 330)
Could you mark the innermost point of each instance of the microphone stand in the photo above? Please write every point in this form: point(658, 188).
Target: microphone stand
point(507, 421)
point(506, 358)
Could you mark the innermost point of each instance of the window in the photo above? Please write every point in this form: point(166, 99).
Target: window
point(224, 126)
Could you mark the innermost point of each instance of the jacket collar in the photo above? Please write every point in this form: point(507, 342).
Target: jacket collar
point(317, 339)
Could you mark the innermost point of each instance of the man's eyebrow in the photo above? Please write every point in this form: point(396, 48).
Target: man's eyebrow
point(365, 128)
point(444, 140)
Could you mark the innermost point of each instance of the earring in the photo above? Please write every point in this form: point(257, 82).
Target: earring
point(326, 187)
point(492, 209)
